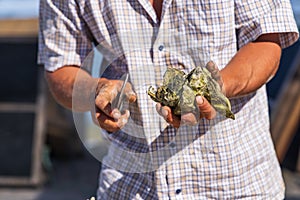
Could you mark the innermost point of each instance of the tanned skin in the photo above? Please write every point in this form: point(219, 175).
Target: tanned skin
point(251, 67)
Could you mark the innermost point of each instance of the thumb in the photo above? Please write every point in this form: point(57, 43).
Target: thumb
point(215, 72)
point(205, 108)
point(130, 94)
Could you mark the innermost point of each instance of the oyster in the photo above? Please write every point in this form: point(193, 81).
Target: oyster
point(179, 91)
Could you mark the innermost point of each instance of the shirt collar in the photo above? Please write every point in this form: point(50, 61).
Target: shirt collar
point(150, 10)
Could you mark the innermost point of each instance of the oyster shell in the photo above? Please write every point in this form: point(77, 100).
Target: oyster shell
point(179, 91)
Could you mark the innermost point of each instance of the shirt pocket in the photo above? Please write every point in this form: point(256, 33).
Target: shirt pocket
point(211, 22)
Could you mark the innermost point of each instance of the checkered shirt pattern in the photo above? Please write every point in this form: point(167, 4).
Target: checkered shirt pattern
point(148, 159)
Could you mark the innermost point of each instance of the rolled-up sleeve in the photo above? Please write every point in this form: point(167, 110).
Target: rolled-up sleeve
point(254, 18)
point(63, 38)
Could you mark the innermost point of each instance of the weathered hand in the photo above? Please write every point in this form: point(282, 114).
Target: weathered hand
point(168, 115)
point(215, 73)
point(205, 111)
point(108, 118)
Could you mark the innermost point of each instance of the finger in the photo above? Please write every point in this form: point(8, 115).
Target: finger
point(168, 115)
point(163, 110)
point(158, 107)
point(103, 103)
point(111, 124)
point(106, 122)
point(205, 108)
point(213, 69)
point(189, 119)
point(116, 114)
point(106, 91)
point(215, 72)
point(122, 121)
point(130, 95)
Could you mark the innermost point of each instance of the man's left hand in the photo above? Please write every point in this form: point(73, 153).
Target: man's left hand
point(205, 111)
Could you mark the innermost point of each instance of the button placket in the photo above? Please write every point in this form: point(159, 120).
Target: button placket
point(172, 144)
point(159, 60)
point(178, 191)
point(161, 47)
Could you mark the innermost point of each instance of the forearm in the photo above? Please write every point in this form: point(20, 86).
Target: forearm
point(61, 83)
point(252, 66)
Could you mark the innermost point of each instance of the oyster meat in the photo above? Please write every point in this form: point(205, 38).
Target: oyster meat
point(179, 91)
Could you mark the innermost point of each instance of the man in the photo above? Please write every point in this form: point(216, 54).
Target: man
point(202, 156)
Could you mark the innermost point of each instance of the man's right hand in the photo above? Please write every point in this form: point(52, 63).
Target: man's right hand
point(62, 82)
point(109, 118)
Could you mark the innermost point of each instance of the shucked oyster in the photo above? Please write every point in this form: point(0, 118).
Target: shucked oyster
point(179, 91)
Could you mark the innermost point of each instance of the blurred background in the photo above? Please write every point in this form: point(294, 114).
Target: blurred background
point(41, 155)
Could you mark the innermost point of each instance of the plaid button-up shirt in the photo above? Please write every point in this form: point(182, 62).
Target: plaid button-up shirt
point(217, 159)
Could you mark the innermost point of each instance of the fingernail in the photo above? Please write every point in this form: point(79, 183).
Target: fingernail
point(127, 113)
point(116, 114)
point(164, 113)
point(122, 122)
point(188, 119)
point(131, 97)
point(199, 100)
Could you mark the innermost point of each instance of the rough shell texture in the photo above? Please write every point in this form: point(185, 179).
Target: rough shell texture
point(179, 91)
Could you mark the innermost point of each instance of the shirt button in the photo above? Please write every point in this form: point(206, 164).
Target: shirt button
point(161, 47)
point(194, 165)
point(172, 144)
point(178, 191)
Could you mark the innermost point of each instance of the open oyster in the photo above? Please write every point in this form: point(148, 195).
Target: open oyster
point(179, 91)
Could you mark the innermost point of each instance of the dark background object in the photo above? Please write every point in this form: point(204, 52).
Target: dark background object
point(22, 113)
point(19, 71)
point(16, 143)
point(287, 59)
point(283, 98)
